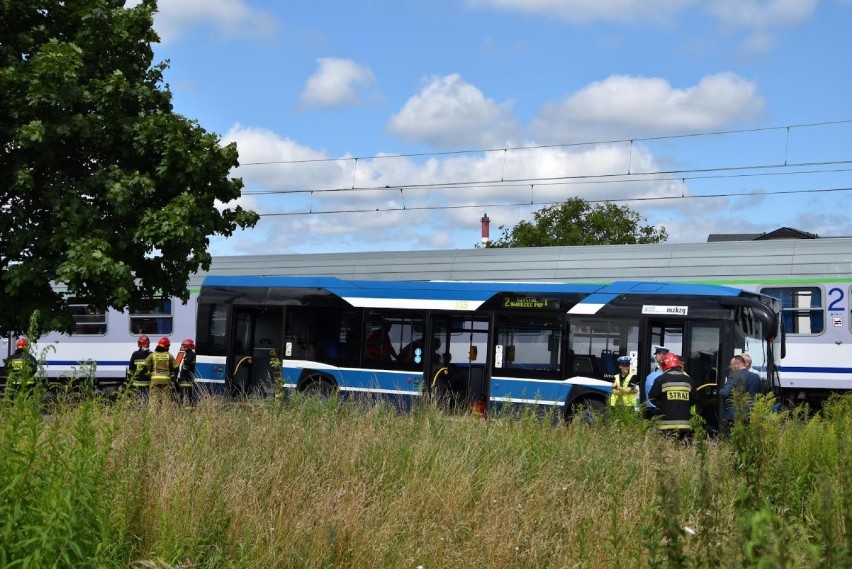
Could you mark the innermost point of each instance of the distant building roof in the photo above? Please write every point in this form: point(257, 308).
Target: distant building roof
point(780, 233)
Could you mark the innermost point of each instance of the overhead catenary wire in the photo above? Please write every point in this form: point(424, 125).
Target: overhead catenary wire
point(558, 145)
point(578, 178)
point(517, 204)
point(768, 168)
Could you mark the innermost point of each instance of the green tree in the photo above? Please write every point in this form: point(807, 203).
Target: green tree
point(576, 222)
point(106, 194)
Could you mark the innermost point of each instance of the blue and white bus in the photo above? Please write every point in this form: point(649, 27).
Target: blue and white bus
point(507, 343)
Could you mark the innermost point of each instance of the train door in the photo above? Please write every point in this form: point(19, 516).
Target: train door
point(256, 333)
point(464, 340)
point(700, 346)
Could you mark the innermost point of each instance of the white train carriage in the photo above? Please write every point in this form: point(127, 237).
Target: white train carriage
point(812, 277)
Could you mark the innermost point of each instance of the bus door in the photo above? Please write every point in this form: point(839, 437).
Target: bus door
point(256, 333)
point(464, 350)
point(700, 345)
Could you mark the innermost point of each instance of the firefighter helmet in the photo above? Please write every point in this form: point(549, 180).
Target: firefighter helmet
point(670, 360)
point(22, 344)
point(143, 342)
point(165, 343)
point(187, 344)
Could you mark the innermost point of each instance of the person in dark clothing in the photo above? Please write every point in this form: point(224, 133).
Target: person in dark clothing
point(742, 380)
point(446, 386)
point(673, 394)
point(186, 373)
point(21, 367)
point(138, 377)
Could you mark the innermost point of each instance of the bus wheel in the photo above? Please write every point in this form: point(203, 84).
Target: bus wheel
point(587, 409)
point(318, 386)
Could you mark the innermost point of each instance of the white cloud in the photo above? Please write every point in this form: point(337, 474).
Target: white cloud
point(590, 10)
point(323, 211)
point(229, 17)
point(760, 19)
point(337, 82)
point(451, 113)
point(762, 14)
point(623, 107)
point(383, 218)
point(271, 162)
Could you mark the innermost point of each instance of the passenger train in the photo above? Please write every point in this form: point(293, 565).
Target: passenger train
point(811, 277)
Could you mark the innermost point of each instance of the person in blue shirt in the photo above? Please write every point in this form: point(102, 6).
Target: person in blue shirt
point(659, 352)
point(743, 380)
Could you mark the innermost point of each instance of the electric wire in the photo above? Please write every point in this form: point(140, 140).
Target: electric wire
point(628, 176)
point(518, 204)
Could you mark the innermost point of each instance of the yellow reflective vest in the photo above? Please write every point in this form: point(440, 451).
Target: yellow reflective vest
point(627, 399)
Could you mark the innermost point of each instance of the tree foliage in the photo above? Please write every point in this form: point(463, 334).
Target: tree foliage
point(576, 222)
point(106, 194)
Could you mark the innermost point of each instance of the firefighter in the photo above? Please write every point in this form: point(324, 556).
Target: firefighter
point(163, 369)
point(21, 367)
point(186, 373)
point(673, 394)
point(625, 386)
point(138, 376)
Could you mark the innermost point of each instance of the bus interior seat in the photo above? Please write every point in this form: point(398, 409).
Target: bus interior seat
point(608, 363)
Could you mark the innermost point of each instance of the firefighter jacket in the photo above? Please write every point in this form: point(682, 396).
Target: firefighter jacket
point(673, 394)
point(21, 367)
point(138, 372)
point(186, 375)
point(163, 367)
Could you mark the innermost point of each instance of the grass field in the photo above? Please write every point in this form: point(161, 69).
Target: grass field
point(314, 483)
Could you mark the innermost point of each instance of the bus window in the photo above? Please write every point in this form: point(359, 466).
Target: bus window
point(394, 339)
point(530, 347)
point(599, 343)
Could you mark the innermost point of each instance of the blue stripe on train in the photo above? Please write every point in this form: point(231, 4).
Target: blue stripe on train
point(809, 369)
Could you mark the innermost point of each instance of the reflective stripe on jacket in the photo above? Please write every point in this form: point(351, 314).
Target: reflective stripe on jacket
point(162, 364)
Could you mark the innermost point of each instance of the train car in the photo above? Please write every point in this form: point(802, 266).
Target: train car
point(812, 278)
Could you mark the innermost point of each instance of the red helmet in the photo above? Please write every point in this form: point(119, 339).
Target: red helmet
point(187, 344)
point(670, 360)
point(165, 343)
point(22, 344)
point(143, 341)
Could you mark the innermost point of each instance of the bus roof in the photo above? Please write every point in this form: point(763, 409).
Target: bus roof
point(465, 295)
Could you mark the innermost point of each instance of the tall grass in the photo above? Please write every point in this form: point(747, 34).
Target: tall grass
point(306, 482)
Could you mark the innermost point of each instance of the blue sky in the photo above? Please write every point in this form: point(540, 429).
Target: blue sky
point(372, 125)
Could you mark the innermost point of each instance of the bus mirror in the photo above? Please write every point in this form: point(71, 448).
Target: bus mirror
point(472, 354)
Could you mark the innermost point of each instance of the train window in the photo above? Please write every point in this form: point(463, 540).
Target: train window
point(802, 309)
point(87, 320)
point(152, 316)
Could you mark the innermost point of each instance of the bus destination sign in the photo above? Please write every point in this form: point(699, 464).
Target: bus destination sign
point(525, 302)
